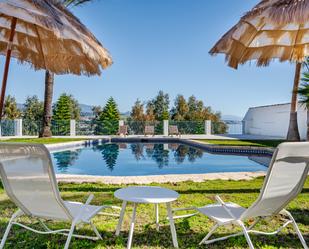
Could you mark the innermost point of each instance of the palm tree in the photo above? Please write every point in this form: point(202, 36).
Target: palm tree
point(303, 92)
point(49, 85)
point(293, 132)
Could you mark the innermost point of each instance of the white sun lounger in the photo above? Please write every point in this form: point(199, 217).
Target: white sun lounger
point(285, 179)
point(29, 180)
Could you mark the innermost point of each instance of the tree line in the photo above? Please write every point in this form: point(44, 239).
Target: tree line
point(182, 110)
point(105, 118)
point(191, 109)
point(66, 108)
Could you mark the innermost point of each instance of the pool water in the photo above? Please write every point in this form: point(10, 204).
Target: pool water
point(138, 159)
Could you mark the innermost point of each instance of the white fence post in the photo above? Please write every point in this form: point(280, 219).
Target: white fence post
point(72, 128)
point(121, 123)
point(165, 128)
point(18, 127)
point(208, 127)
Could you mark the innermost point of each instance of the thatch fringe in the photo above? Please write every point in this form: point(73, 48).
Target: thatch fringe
point(256, 37)
point(48, 36)
point(281, 12)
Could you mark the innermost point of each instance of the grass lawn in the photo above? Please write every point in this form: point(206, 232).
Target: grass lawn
point(256, 143)
point(190, 231)
point(52, 140)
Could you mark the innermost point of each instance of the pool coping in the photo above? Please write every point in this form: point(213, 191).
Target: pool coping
point(116, 180)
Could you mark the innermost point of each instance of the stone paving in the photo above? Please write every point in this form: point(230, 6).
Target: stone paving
point(159, 178)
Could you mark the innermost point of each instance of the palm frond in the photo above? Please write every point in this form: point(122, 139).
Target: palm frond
point(303, 93)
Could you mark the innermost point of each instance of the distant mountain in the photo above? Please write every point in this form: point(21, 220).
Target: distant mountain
point(85, 108)
point(231, 117)
point(20, 106)
point(125, 114)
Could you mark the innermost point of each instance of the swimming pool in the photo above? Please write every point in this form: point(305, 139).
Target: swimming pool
point(141, 159)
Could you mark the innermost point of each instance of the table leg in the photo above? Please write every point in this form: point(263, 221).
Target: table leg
point(132, 226)
point(172, 225)
point(157, 216)
point(123, 209)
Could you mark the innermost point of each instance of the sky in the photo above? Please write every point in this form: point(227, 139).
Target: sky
point(163, 45)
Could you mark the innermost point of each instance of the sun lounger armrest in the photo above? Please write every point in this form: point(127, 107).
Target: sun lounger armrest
point(184, 215)
point(90, 198)
point(83, 207)
point(108, 213)
point(220, 201)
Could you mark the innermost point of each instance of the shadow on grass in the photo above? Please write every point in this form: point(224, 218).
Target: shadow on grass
point(189, 191)
point(227, 191)
point(83, 188)
point(145, 237)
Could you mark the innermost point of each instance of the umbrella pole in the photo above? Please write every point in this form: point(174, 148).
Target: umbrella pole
point(7, 65)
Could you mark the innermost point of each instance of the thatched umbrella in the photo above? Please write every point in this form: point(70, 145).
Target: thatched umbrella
point(46, 35)
point(273, 29)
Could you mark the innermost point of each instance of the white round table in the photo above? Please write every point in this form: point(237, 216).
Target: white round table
point(150, 195)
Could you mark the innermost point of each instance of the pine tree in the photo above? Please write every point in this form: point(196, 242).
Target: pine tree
point(62, 115)
point(108, 119)
point(110, 111)
point(161, 105)
point(62, 108)
point(66, 108)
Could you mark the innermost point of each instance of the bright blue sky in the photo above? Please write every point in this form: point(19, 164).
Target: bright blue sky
point(163, 45)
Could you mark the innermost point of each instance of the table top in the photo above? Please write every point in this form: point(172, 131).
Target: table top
point(146, 194)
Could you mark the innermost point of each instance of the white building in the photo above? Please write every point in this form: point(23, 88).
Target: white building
point(273, 120)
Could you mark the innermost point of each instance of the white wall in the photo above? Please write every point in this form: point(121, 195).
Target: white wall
point(273, 120)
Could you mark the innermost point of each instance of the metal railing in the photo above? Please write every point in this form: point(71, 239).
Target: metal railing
point(189, 127)
point(138, 127)
point(31, 128)
point(7, 127)
point(94, 127)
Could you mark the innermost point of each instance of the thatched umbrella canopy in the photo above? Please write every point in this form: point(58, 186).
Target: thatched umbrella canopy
point(46, 35)
point(273, 29)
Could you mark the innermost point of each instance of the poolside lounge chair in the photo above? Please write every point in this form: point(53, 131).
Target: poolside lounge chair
point(285, 179)
point(123, 130)
point(29, 180)
point(149, 130)
point(173, 130)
